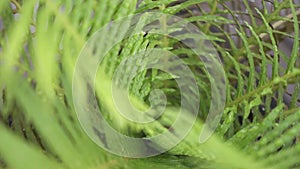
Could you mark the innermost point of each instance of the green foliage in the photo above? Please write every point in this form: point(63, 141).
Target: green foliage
point(41, 40)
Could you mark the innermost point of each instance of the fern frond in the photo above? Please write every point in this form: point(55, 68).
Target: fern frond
point(39, 45)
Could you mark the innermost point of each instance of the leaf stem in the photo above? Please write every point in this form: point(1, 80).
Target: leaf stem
point(18, 6)
point(275, 81)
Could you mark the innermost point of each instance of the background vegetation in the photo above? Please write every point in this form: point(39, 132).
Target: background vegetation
point(258, 42)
